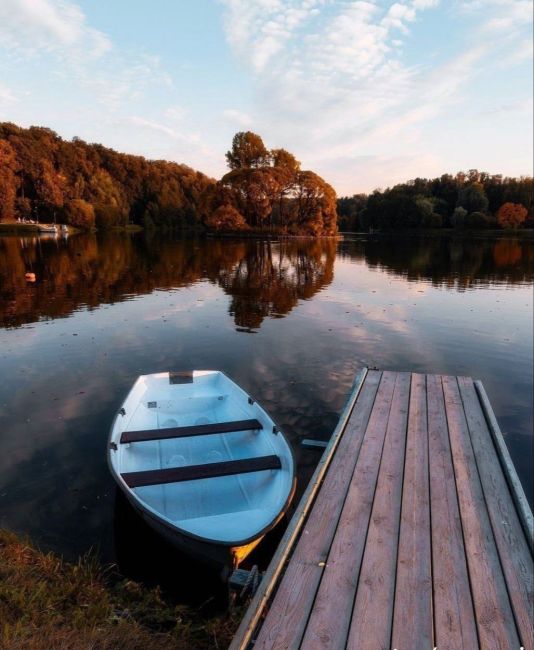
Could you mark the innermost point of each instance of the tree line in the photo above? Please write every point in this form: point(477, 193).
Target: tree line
point(472, 200)
point(46, 178)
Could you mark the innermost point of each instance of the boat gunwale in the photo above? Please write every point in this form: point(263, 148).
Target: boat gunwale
point(147, 510)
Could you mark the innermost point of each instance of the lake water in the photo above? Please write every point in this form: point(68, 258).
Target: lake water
point(290, 322)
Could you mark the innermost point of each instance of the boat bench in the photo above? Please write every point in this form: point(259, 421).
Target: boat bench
point(184, 432)
point(195, 472)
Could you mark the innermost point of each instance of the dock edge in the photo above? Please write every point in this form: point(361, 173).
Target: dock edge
point(254, 611)
point(518, 494)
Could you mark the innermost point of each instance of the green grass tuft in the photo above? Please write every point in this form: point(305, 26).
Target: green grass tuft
point(48, 603)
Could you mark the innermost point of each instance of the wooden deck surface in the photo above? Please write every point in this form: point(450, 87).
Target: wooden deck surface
point(414, 540)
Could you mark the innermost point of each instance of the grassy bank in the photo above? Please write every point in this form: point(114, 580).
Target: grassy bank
point(47, 603)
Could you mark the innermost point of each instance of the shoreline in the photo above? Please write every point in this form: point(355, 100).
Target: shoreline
point(48, 602)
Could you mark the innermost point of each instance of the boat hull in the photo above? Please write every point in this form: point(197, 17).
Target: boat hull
point(228, 546)
point(219, 556)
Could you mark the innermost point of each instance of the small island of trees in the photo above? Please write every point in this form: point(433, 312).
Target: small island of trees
point(267, 190)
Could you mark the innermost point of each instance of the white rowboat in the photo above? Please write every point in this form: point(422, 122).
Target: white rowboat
point(202, 462)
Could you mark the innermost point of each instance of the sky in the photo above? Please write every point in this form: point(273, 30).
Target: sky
point(365, 93)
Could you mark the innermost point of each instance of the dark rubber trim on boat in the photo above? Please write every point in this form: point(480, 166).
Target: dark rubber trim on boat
point(195, 472)
point(184, 432)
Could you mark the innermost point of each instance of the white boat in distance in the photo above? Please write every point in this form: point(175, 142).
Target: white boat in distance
point(44, 227)
point(202, 462)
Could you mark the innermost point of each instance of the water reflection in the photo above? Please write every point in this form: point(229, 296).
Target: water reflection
point(104, 310)
point(456, 262)
point(262, 278)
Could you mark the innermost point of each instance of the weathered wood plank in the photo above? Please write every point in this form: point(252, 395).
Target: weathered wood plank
point(412, 613)
point(515, 555)
point(454, 619)
point(495, 620)
point(270, 580)
point(372, 616)
point(516, 489)
point(286, 620)
point(328, 624)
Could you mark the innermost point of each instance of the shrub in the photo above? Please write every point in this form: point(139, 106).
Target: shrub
point(511, 215)
point(79, 213)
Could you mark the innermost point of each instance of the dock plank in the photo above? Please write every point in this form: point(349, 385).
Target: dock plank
point(415, 536)
point(289, 611)
point(329, 621)
point(412, 613)
point(454, 618)
point(514, 552)
point(495, 620)
point(373, 608)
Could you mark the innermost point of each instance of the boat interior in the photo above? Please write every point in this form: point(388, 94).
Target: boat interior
point(199, 453)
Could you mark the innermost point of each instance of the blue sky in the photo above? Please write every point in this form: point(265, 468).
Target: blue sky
point(366, 93)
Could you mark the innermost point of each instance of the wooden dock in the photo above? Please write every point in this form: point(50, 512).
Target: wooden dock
point(414, 532)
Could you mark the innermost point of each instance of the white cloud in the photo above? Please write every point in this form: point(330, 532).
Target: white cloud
point(190, 138)
point(33, 25)
point(6, 95)
point(336, 87)
point(237, 118)
point(56, 35)
point(175, 113)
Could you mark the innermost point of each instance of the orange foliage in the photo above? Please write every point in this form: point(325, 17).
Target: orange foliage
point(225, 217)
point(511, 215)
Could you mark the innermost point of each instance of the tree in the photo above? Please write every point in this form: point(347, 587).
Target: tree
point(473, 198)
point(458, 218)
point(283, 159)
point(8, 180)
point(511, 215)
point(247, 151)
point(79, 213)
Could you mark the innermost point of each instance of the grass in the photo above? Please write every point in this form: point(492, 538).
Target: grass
point(48, 603)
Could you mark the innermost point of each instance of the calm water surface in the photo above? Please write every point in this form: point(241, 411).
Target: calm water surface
point(290, 322)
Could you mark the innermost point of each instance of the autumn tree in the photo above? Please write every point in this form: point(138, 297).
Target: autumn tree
point(226, 218)
point(511, 215)
point(8, 180)
point(79, 213)
point(247, 151)
point(40, 172)
point(269, 190)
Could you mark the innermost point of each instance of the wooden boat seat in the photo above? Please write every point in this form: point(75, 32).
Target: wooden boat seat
point(195, 472)
point(182, 432)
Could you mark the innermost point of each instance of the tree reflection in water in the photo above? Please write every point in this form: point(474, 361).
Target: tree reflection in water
point(263, 279)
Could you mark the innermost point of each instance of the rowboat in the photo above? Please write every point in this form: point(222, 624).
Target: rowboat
point(202, 462)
